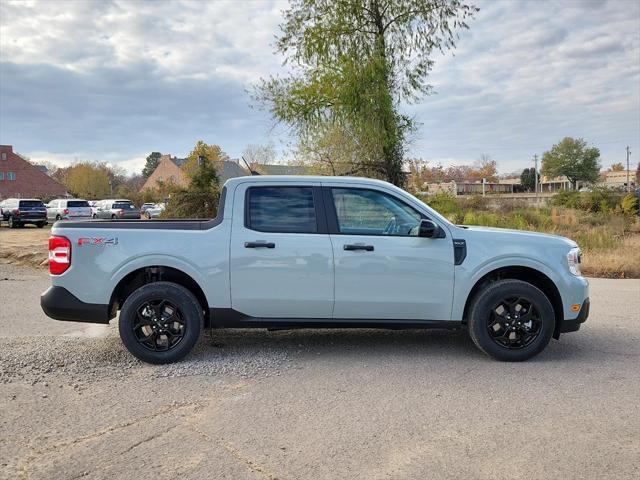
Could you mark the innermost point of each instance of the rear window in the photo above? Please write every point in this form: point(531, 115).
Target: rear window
point(281, 209)
point(77, 203)
point(31, 203)
point(123, 206)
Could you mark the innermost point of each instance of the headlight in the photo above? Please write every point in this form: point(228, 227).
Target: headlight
point(573, 260)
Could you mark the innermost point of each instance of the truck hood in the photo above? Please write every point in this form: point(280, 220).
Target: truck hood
point(505, 235)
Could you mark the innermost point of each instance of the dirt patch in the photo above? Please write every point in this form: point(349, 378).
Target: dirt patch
point(25, 246)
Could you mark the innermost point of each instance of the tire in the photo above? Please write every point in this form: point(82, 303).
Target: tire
point(40, 224)
point(113, 217)
point(148, 216)
point(94, 216)
point(12, 223)
point(496, 323)
point(57, 217)
point(171, 344)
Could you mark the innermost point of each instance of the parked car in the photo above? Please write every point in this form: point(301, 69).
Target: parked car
point(94, 208)
point(68, 209)
point(301, 252)
point(119, 208)
point(18, 212)
point(155, 211)
point(145, 206)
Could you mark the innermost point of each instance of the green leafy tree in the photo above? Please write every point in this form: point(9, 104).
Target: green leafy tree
point(353, 63)
point(200, 198)
point(152, 163)
point(528, 179)
point(573, 159)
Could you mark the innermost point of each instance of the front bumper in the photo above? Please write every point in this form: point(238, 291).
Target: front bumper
point(573, 325)
point(60, 304)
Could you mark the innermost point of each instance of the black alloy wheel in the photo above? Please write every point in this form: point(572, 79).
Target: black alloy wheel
point(159, 325)
point(514, 323)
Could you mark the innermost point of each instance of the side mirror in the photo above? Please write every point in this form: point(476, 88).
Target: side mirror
point(428, 229)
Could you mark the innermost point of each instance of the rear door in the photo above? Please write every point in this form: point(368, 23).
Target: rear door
point(383, 270)
point(281, 255)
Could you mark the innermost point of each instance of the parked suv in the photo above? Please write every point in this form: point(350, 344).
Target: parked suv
point(118, 208)
point(17, 212)
point(68, 209)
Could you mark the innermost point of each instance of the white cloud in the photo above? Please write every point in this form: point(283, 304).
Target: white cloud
point(109, 80)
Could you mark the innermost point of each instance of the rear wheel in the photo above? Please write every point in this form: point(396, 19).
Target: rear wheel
point(12, 223)
point(40, 224)
point(511, 320)
point(160, 322)
point(57, 217)
point(113, 217)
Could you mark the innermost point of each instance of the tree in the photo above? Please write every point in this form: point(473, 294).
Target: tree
point(573, 159)
point(353, 63)
point(617, 167)
point(200, 198)
point(88, 180)
point(153, 159)
point(528, 179)
point(638, 174)
point(213, 153)
point(260, 154)
point(485, 168)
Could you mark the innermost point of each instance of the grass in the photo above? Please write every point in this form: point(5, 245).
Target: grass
point(609, 239)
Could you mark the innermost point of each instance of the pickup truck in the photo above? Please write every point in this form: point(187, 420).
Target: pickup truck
point(311, 252)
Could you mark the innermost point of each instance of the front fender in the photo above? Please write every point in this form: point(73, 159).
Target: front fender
point(467, 277)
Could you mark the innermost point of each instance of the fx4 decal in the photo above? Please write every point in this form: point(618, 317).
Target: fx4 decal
point(97, 241)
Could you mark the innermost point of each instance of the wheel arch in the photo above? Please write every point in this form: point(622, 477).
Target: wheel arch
point(155, 273)
point(527, 274)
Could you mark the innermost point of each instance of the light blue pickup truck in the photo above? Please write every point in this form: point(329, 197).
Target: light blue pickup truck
point(311, 252)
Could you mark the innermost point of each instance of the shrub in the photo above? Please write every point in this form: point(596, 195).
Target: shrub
point(567, 198)
point(629, 204)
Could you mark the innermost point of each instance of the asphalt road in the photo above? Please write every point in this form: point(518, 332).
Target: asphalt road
point(317, 404)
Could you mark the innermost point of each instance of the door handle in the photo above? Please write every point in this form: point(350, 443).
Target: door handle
point(357, 246)
point(259, 245)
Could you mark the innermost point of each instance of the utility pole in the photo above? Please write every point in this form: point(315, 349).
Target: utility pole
point(535, 158)
point(628, 181)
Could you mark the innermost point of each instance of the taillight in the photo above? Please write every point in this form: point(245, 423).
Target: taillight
point(59, 255)
point(66, 211)
point(120, 213)
point(17, 214)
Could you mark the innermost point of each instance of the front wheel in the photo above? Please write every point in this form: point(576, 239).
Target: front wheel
point(511, 320)
point(160, 322)
point(40, 224)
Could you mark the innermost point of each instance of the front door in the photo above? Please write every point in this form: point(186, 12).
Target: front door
point(383, 270)
point(281, 255)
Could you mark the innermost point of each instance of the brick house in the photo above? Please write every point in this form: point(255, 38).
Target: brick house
point(21, 179)
point(169, 169)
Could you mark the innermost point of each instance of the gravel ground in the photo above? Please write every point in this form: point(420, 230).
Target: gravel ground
point(324, 404)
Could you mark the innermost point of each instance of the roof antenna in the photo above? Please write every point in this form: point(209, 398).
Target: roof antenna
point(253, 172)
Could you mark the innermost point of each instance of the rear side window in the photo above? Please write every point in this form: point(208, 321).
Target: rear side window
point(122, 206)
point(30, 203)
point(281, 209)
point(77, 203)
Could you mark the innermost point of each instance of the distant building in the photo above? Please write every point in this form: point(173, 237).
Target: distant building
point(21, 179)
point(618, 179)
point(169, 169)
point(469, 188)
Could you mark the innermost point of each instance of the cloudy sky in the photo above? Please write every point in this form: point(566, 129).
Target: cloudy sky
point(114, 81)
